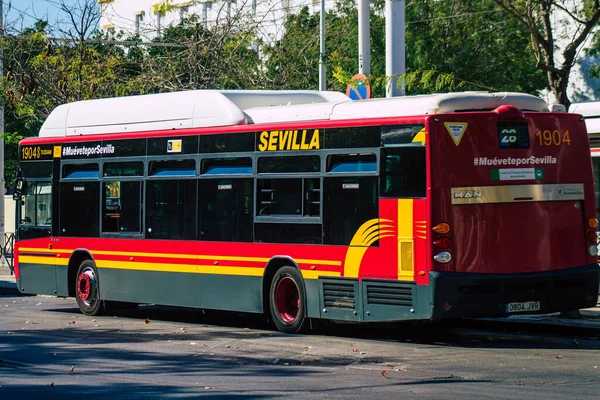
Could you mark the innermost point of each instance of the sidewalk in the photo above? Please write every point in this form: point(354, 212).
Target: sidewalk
point(8, 284)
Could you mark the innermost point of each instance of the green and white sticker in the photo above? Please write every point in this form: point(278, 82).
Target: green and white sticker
point(516, 174)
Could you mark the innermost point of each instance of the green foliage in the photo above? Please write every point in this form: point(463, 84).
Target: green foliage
point(450, 45)
point(163, 7)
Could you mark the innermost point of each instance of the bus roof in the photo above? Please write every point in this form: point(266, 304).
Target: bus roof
point(212, 108)
point(591, 112)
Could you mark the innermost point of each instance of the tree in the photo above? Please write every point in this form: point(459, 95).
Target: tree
point(472, 43)
point(450, 45)
point(543, 19)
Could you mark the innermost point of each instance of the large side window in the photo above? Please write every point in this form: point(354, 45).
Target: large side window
point(121, 207)
point(121, 200)
point(36, 210)
point(226, 209)
point(171, 209)
point(403, 172)
point(79, 209)
point(350, 201)
point(80, 200)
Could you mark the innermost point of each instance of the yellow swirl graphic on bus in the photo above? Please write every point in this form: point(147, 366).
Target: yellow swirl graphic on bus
point(365, 236)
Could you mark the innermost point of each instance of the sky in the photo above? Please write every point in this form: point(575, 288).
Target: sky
point(20, 14)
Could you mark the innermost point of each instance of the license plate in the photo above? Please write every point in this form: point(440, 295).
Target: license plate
point(525, 306)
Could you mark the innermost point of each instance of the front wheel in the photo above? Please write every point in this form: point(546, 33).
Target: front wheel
point(87, 290)
point(287, 300)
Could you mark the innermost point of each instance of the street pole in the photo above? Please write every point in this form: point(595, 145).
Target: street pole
point(364, 37)
point(2, 186)
point(395, 64)
point(322, 76)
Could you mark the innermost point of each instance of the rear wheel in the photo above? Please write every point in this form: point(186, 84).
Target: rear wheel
point(87, 290)
point(287, 300)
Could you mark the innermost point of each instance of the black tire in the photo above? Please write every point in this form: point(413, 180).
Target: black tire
point(87, 289)
point(287, 300)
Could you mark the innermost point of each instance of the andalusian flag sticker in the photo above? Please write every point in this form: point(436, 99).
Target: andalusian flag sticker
point(456, 130)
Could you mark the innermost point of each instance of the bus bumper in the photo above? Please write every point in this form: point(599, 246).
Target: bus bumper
point(455, 295)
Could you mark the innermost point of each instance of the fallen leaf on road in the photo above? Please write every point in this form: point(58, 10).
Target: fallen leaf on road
point(38, 304)
point(72, 368)
point(147, 320)
point(94, 320)
point(558, 356)
point(208, 388)
point(388, 364)
point(354, 350)
point(384, 372)
point(193, 343)
point(286, 364)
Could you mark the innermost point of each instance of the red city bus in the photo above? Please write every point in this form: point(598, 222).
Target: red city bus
point(306, 205)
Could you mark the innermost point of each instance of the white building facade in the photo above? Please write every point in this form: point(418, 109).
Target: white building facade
point(143, 17)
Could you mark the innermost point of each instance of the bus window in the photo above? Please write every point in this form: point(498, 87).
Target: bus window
point(277, 165)
point(294, 196)
point(36, 210)
point(349, 203)
point(133, 168)
point(121, 207)
point(352, 163)
point(226, 210)
point(80, 199)
point(226, 166)
point(171, 209)
point(80, 171)
point(279, 197)
point(172, 168)
point(403, 172)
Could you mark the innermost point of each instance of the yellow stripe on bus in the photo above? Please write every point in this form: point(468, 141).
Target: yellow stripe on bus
point(178, 268)
point(43, 260)
point(188, 268)
point(181, 256)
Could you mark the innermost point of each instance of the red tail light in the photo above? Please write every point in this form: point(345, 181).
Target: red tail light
point(592, 237)
point(442, 243)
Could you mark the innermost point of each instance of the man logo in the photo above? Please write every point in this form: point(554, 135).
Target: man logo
point(468, 194)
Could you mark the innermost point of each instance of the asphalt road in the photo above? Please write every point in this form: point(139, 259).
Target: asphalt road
point(49, 350)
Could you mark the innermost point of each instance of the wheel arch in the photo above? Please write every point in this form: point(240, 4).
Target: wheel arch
point(77, 257)
point(274, 264)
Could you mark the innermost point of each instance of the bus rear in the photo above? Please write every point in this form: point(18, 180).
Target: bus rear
point(513, 211)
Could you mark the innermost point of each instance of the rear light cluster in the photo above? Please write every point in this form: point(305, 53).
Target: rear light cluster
point(442, 243)
point(592, 237)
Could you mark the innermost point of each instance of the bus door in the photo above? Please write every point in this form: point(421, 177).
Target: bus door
point(515, 188)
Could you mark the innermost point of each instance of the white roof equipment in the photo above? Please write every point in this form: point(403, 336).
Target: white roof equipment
point(591, 112)
point(175, 110)
point(209, 108)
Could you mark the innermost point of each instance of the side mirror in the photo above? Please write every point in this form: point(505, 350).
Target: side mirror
point(18, 188)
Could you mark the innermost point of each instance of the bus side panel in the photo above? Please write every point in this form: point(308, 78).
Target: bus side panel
point(37, 267)
point(223, 292)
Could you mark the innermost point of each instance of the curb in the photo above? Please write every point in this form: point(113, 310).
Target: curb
point(7, 290)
